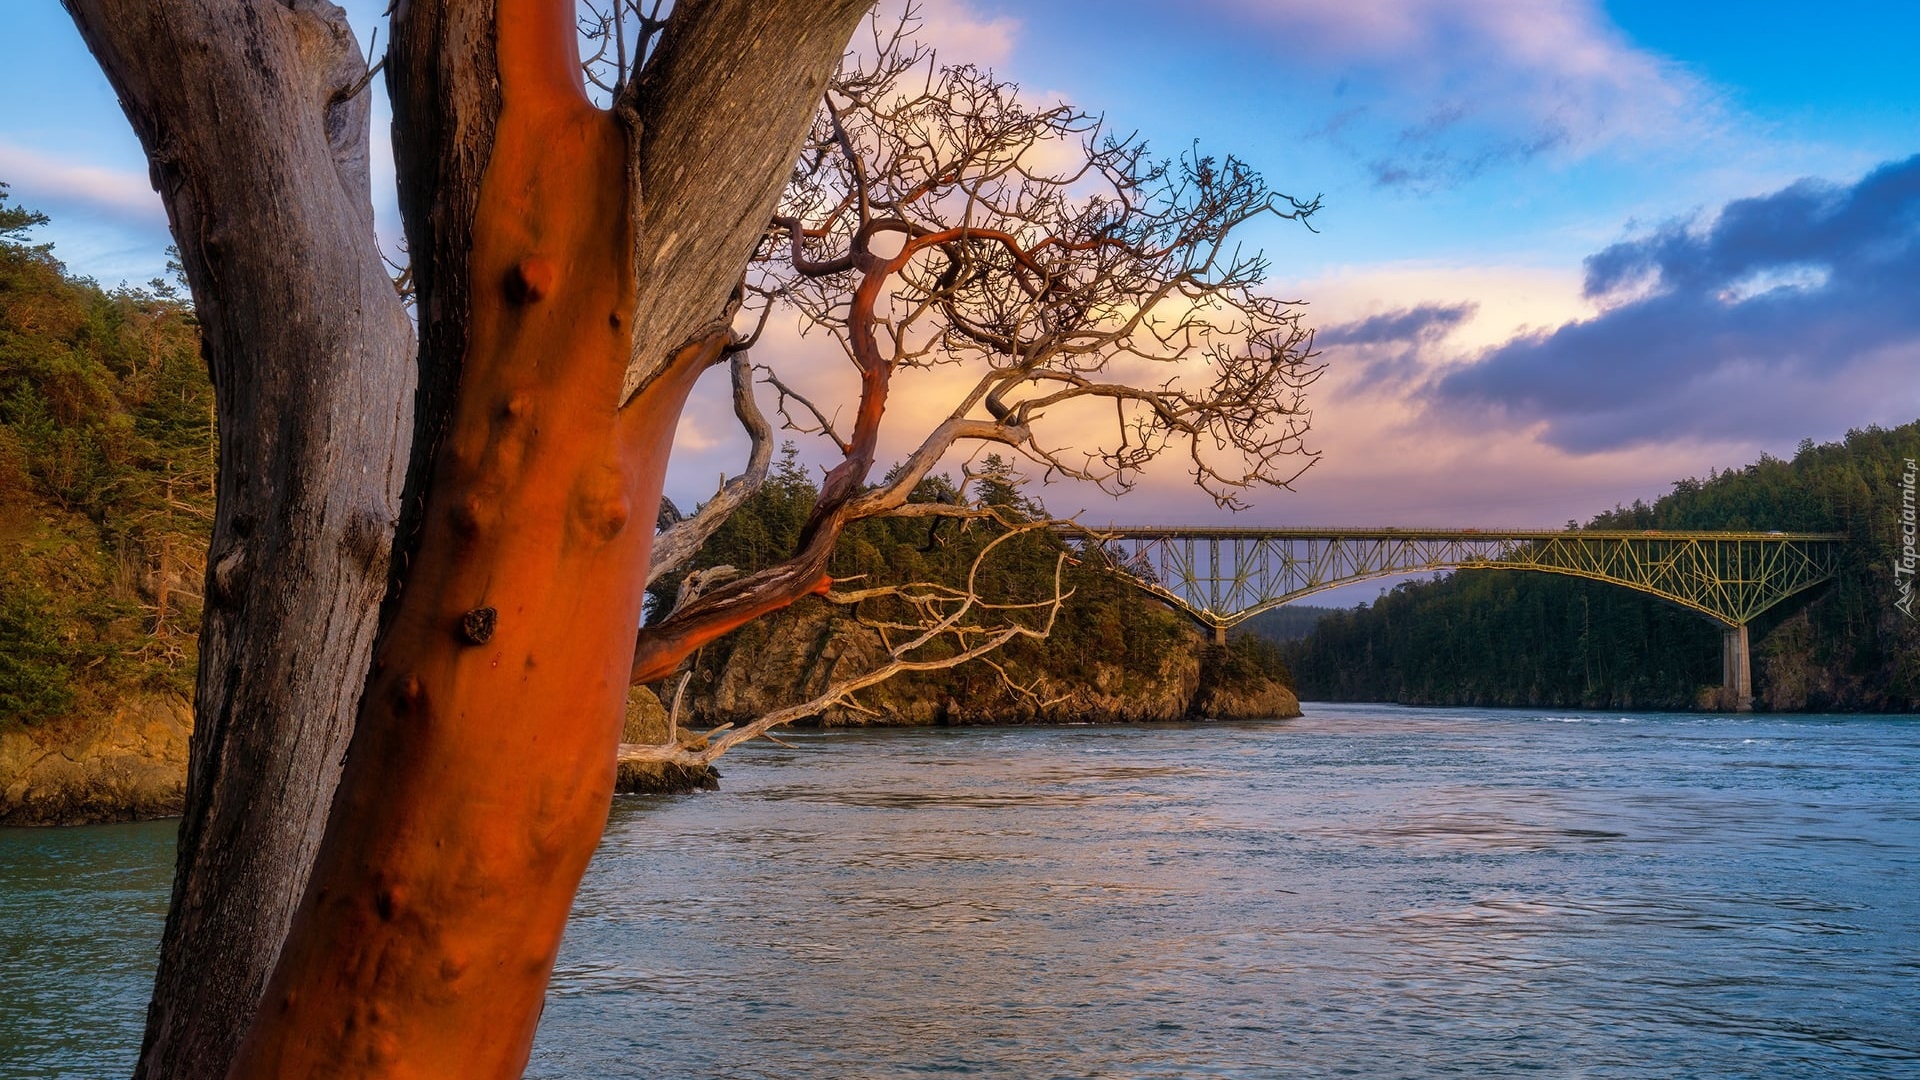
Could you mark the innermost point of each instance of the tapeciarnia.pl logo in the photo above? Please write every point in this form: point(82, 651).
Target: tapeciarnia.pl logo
point(1903, 566)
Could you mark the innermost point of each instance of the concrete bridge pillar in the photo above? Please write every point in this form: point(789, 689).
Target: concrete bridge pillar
point(1736, 670)
point(1219, 635)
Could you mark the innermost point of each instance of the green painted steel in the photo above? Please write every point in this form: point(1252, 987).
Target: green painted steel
point(1223, 576)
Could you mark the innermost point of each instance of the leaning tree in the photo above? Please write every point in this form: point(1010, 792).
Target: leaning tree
point(433, 533)
point(1082, 302)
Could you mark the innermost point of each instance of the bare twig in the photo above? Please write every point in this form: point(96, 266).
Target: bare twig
point(937, 218)
point(947, 635)
point(677, 544)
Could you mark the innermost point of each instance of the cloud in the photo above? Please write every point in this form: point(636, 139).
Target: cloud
point(42, 179)
point(1388, 350)
point(1497, 81)
point(1405, 326)
point(958, 33)
point(1790, 310)
point(962, 35)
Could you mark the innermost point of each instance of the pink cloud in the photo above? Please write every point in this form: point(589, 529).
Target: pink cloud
point(39, 178)
point(958, 33)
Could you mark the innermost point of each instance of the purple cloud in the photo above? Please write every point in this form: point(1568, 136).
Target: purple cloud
point(1407, 325)
point(1792, 310)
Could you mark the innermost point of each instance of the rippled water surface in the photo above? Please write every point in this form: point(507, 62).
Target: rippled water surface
point(1368, 891)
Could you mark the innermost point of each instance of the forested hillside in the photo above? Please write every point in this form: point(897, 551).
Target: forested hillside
point(1289, 622)
point(1516, 638)
point(106, 485)
point(1113, 653)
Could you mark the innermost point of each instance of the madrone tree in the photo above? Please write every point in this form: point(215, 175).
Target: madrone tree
point(1090, 300)
point(432, 537)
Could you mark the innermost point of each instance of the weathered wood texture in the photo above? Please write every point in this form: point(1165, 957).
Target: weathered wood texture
point(444, 83)
point(259, 151)
point(722, 109)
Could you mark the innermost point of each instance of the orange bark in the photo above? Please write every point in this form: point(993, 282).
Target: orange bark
point(660, 650)
point(481, 770)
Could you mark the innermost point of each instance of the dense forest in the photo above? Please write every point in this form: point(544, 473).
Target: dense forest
point(106, 484)
point(1110, 644)
point(1529, 639)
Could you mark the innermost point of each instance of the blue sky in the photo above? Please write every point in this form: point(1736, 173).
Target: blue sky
point(1570, 250)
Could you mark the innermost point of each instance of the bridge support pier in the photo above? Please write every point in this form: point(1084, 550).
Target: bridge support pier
point(1736, 669)
point(1219, 635)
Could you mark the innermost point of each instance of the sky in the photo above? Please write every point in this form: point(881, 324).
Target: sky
point(1570, 250)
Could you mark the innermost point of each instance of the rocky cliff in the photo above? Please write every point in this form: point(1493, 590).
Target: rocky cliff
point(128, 765)
point(648, 725)
point(799, 654)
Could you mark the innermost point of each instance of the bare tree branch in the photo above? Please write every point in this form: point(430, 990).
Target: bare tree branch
point(1062, 284)
point(947, 633)
point(937, 219)
point(673, 547)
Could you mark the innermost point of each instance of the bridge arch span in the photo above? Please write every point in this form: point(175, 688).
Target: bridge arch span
point(1224, 576)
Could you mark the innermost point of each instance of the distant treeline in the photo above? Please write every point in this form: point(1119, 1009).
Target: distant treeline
point(1486, 637)
point(1289, 623)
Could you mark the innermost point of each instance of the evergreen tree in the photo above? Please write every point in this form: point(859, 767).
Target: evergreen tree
point(1486, 637)
point(106, 484)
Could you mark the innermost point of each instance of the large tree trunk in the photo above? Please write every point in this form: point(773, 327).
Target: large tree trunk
point(574, 267)
point(261, 158)
point(482, 763)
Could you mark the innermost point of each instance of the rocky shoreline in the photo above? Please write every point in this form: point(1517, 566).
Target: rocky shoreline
point(131, 765)
point(803, 651)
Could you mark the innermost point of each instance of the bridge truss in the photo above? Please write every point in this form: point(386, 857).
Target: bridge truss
point(1223, 576)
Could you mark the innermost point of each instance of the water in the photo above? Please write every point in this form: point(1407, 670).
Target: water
point(1369, 891)
point(80, 917)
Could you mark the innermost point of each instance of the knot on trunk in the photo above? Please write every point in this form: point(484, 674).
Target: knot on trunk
point(531, 280)
point(476, 626)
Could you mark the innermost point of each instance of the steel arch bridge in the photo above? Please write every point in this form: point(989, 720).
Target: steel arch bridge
point(1224, 576)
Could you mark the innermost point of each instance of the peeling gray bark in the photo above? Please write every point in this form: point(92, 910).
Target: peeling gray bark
point(722, 109)
point(262, 163)
point(445, 88)
point(679, 542)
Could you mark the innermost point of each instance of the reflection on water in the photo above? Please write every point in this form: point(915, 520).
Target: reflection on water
point(1368, 891)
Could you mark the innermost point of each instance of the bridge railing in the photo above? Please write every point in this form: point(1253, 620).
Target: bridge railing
point(1222, 575)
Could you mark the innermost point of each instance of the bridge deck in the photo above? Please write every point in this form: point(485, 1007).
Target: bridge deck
point(1258, 532)
point(1223, 575)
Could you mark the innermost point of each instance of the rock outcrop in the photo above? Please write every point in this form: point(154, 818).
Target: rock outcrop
point(649, 725)
point(802, 652)
point(129, 765)
point(1233, 688)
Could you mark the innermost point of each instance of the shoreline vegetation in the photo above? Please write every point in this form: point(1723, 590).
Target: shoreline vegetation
point(106, 506)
